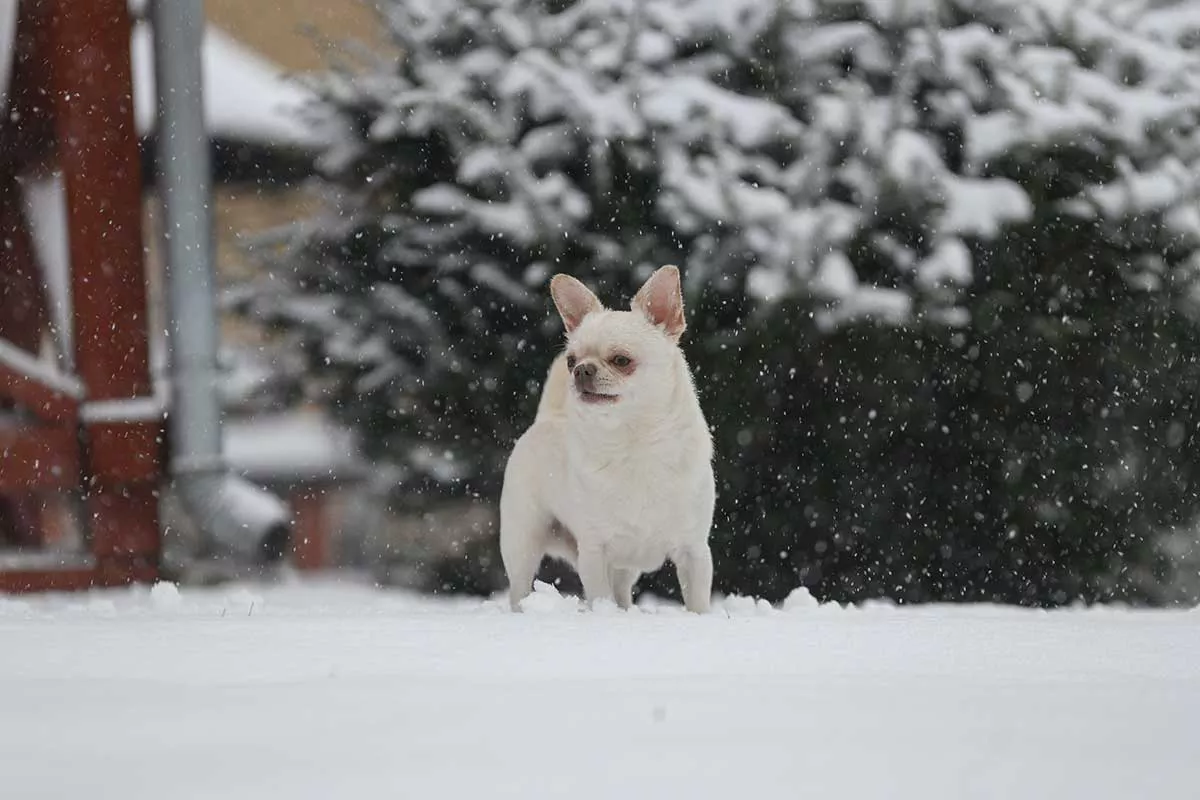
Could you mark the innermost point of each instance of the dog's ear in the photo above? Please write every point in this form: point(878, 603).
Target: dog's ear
point(661, 300)
point(573, 300)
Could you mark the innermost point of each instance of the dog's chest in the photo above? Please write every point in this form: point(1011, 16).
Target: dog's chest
point(640, 508)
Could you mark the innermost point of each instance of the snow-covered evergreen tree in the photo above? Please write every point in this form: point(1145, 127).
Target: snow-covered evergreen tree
point(940, 254)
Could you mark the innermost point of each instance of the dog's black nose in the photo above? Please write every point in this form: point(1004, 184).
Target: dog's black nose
point(585, 371)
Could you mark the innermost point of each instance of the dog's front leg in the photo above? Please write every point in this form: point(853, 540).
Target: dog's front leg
point(695, 569)
point(623, 581)
point(593, 573)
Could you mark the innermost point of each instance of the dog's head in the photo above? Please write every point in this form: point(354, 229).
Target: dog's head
point(622, 359)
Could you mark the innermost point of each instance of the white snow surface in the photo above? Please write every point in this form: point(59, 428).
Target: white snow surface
point(334, 689)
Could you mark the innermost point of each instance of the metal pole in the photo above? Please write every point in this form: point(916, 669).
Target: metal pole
point(242, 518)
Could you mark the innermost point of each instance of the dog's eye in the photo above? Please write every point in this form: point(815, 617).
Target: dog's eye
point(621, 361)
point(571, 361)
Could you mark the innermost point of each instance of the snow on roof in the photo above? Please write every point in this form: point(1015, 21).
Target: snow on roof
point(291, 446)
point(246, 97)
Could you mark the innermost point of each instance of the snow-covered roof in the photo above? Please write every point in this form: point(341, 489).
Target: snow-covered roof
point(293, 446)
point(246, 97)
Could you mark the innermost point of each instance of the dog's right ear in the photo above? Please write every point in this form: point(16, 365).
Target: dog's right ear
point(661, 300)
point(573, 300)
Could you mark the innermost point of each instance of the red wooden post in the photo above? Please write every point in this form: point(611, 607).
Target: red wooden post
point(310, 545)
point(90, 91)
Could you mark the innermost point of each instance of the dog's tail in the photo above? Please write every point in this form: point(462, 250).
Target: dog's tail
point(554, 392)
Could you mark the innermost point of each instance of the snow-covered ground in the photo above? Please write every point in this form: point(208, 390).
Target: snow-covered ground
point(322, 690)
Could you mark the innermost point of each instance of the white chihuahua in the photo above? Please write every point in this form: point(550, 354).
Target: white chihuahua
point(615, 474)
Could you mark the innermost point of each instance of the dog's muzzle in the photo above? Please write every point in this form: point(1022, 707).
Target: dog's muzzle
point(585, 383)
point(585, 376)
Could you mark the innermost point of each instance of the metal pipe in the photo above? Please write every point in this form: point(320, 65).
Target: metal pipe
point(234, 515)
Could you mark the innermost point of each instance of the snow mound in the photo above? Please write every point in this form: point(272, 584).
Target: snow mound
point(165, 595)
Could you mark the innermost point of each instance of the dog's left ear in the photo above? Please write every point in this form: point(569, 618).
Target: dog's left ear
point(661, 300)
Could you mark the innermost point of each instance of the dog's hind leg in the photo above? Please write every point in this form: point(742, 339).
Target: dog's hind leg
point(522, 555)
point(524, 531)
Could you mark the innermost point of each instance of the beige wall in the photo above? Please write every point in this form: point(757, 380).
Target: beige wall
point(298, 35)
point(283, 30)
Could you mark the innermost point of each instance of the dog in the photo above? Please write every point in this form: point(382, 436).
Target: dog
point(614, 476)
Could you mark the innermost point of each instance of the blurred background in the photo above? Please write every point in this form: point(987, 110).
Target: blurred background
point(941, 261)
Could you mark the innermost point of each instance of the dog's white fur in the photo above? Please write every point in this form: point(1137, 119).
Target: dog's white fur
point(618, 479)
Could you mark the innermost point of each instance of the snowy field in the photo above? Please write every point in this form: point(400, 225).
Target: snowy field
point(320, 690)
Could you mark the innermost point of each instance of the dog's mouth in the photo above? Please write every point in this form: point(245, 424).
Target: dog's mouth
point(589, 396)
